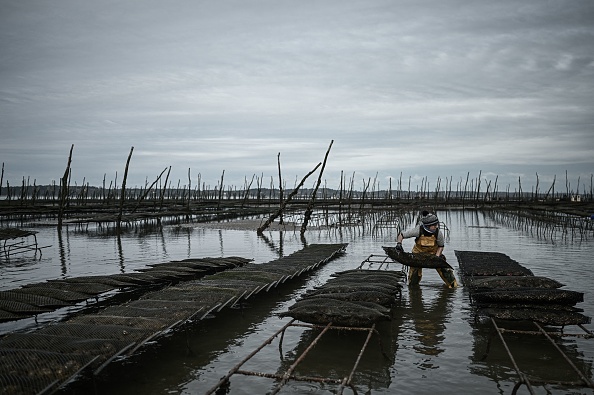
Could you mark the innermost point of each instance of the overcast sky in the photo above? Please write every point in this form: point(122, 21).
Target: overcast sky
point(435, 88)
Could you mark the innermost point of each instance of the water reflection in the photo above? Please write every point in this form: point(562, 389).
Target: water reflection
point(336, 354)
point(277, 250)
point(441, 329)
point(429, 317)
point(189, 238)
point(164, 244)
point(202, 346)
point(120, 254)
point(62, 252)
point(534, 355)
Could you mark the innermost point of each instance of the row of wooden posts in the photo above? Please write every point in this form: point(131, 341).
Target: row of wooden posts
point(160, 192)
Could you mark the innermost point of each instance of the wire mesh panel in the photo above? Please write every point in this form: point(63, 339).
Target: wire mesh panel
point(22, 308)
point(135, 278)
point(64, 344)
point(478, 263)
point(99, 337)
point(144, 323)
point(32, 299)
point(504, 290)
point(55, 293)
point(89, 288)
point(106, 280)
point(8, 316)
point(171, 275)
point(33, 371)
point(346, 303)
point(84, 331)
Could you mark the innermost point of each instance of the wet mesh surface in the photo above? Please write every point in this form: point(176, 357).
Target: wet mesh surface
point(8, 316)
point(89, 288)
point(47, 358)
point(21, 308)
point(105, 280)
point(144, 323)
point(84, 331)
point(60, 294)
point(32, 299)
point(32, 371)
point(166, 316)
point(38, 298)
point(64, 345)
point(348, 299)
point(477, 263)
point(502, 288)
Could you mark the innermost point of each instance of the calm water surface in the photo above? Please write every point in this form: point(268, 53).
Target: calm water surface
point(434, 345)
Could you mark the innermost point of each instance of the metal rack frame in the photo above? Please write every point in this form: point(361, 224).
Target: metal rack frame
point(524, 379)
point(288, 374)
point(16, 247)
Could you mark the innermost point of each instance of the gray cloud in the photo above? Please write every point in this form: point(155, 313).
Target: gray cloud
point(427, 88)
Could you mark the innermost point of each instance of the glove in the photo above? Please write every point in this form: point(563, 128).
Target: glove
point(399, 247)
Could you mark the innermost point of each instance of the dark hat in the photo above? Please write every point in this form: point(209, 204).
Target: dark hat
point(429, 219)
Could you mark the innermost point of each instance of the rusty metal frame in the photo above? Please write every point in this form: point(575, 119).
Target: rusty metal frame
point(376, 258)
point(524, 380)
point(288, 374)
point(21, 246)
point(383, 259)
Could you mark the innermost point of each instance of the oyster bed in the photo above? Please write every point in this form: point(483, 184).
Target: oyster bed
point(420, 260)
point(44, 360)
point(353, 298)
point(502, 288)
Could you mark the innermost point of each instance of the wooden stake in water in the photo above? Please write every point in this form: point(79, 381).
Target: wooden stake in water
point(64, 189)
point(123, 193)
point(309, 209)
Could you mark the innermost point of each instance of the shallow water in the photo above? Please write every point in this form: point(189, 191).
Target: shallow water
point(433, 344)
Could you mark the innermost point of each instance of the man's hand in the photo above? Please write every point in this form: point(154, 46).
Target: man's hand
point(399, 247)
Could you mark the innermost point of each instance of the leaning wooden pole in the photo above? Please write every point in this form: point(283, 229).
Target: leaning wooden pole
point(164, 190)
point(362, 204)
point(247, 190)
point(221, 191)
point(148, 190)
point(123, 192)
point(280, 189)
point(1, 178)
point(64, 189)
point(189, 187)
point(310, 205)
point(551, 188)
point(289, 198)
point(478, 186)
point(340, 192)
